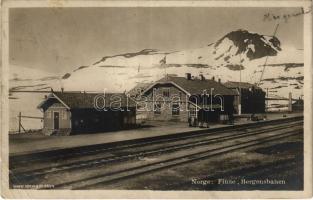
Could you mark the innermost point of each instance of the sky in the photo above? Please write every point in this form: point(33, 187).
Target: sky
point(58, 40)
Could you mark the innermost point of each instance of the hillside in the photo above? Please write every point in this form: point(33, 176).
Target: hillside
point(238, 52)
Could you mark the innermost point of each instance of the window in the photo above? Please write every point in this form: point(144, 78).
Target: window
point(166, 92)
point(175, 109)
point(157, 108)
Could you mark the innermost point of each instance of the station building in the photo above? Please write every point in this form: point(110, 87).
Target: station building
point(66, 113)
point(197, 101)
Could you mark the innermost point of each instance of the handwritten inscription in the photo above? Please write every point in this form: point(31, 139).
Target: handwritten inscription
point(284, 17)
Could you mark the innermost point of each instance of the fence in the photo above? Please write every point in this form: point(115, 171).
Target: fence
point(20, 125)
point(285, 106)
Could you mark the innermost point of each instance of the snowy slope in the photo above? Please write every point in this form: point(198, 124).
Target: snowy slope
point(223, 59)
point(238, 52)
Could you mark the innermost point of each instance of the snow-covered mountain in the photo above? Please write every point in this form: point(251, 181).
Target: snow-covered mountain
point(238, 54)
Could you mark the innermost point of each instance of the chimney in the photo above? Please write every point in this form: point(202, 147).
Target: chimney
point(188, 76)
point(219, 80)
point(62, 89)
point(202, 78)
point(213, 78)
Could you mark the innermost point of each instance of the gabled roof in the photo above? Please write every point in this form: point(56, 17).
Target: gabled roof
point(195, 86)
point(138, 89)
point(74, 100)
point(245, 85)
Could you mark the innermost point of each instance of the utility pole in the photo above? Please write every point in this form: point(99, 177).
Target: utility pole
point(290, 102)
point(19, 121)
point(267, 58)
point(266, 108)
point(239, 99)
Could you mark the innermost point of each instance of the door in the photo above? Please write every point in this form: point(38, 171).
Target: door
point(56, 120)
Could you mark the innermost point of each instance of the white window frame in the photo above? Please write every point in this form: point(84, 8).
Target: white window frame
point(166, 89)
point(177, 111)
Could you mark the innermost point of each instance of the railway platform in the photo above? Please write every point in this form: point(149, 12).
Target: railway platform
point(26, 144)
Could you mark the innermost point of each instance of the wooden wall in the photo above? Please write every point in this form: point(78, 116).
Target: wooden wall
point(64, 118)
point(166, 103)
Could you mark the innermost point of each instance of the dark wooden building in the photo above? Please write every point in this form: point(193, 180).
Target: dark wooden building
point(67, 113)
point(252, 97)
point(298, 105)
point(194, 100)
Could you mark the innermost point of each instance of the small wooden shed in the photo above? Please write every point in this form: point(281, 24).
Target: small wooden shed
point(67, 113)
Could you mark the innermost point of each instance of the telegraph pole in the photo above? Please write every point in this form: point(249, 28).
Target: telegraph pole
point(239, 99)
point(266, 108)
point(290, 102)
point(267, 58)
point(19, 122)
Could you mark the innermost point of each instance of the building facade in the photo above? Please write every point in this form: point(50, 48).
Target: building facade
point(72, 113)
point(187, 99)
point(251, 98)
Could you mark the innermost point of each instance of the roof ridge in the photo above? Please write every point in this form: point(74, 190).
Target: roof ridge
point(77, 92)
point(196, 85)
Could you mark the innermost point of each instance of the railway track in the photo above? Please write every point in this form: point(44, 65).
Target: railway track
point(97, 149)
point(194, 141)
point(200, 141)
point(152, 167)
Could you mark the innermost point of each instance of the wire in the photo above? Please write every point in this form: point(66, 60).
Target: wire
point(267, 58)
